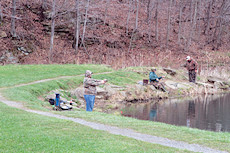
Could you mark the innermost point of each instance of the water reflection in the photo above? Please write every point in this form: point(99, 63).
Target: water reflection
point(204, 112)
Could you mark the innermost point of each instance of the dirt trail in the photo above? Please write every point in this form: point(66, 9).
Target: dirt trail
point(111, 129)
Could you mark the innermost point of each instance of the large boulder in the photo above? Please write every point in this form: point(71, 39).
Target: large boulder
point(218, 83)
point(171, 84)
point(170, 71)
point(78, 92)
point(105, 93)
point(178, 85)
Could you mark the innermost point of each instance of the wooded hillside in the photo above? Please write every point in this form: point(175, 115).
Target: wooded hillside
point(116, 32)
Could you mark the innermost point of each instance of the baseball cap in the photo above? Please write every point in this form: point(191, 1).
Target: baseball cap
point(88, 73)
point(188, 58)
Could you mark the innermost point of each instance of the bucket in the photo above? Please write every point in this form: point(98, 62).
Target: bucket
point(145, 81)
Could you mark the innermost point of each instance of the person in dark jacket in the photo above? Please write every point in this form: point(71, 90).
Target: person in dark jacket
point(153, 76)
point(191, 66)
point(154, 80)
point(90, 89)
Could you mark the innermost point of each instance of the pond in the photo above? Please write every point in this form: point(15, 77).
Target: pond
point(203, 112)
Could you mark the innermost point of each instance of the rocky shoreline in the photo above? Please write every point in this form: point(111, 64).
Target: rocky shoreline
point(109, 96)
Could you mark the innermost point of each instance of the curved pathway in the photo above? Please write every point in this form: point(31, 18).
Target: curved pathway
point(111, 129)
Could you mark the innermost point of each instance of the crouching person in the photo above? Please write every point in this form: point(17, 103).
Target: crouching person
point(90, 89)
point(155, 80)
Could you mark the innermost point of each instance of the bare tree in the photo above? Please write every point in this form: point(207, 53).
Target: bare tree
point(13, 28)
point(169, 23)
point(137, 13)
point(156, 21)
point(136, 26)
point(207, 24)
point(150, 7)
point(128, 17)
point(1, 16)
point(52, 30)
point(77, 25)
point(148, 10)
point(193, 21)
point(106, 10)
point(217, 35)
point(44, 4)
point(180, 17)
point(85, 21)
point(199, 21)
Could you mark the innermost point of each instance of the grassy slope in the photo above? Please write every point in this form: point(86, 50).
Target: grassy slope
point(29, 95)
point(25, 132)
point(16, 74)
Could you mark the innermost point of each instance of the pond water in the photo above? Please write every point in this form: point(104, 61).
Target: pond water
point(204, 112)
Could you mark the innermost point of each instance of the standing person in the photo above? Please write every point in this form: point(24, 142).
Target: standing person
point(191, 66)
point(90, 89)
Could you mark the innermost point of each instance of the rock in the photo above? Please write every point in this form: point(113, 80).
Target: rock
point(78, 92)
point(213, 79)
point(205, 84)
point(101, 91)
point(8, 58)
point(219, 83)
point(176, 85)
point(171, 84)
point(185, 85)
point(111, 91)
point(152, 88)
point(3, 34)
point(115, 86)
point(170, 71)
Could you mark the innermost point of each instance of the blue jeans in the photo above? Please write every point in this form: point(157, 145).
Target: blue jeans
point(89, 102)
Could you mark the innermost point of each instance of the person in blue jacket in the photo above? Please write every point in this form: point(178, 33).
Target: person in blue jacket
point(154, 80)
point(153, 76)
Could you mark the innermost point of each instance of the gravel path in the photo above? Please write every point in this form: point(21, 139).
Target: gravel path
point(112, 129)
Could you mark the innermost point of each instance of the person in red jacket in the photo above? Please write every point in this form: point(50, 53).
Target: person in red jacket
point(191, 66)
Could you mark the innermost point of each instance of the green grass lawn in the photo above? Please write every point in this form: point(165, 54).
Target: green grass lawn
point(28, 95)
point(21, 131)
point(16, 74)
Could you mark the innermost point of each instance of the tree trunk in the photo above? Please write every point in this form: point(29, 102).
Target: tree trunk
point(52, 30)
point(156, 21)
point(44, 4)
point(13, 30)
point(193, 23)
point(149, 17)
point(148, 10)
point(199, 16)
point(137, 13)
point(1, 16)
point(206, 32)
point(77, 28)
point(106, 10)
point(180, 17)
point(169, 22)
point(220, 25)
point(128, 17)
point(85, 21)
